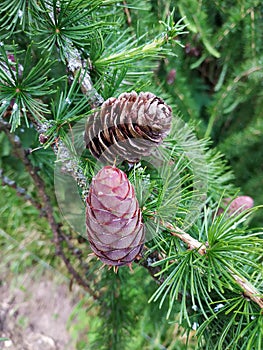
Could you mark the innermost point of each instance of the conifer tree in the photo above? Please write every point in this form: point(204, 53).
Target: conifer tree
point(83, 79)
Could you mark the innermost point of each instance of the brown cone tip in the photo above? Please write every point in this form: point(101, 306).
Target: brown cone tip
point(113, 218)
point(128, 127)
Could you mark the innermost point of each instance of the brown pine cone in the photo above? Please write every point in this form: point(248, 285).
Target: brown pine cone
point(128, 127)
point(113, 218)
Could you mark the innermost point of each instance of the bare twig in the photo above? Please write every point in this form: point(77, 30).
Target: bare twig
point(78, 67)
point(127, 13)
point(249, 291)
point(185, 237)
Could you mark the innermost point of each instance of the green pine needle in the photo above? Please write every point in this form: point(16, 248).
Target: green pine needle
point(22, 83)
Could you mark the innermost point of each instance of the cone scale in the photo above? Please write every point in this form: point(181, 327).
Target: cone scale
point(113, 218)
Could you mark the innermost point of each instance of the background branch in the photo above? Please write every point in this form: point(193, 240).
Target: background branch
point(6, 181)
point(58, 236)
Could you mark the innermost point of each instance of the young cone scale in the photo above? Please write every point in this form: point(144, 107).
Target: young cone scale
point(128, 127)
point(113, 218)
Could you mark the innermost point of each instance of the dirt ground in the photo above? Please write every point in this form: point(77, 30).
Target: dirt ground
point(34, 311)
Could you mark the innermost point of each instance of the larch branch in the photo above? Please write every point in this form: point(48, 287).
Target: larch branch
point(249, 291)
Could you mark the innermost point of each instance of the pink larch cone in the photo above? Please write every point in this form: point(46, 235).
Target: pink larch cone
point(113, 218)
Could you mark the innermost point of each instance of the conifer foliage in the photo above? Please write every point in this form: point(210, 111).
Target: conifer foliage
point(96, 94)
